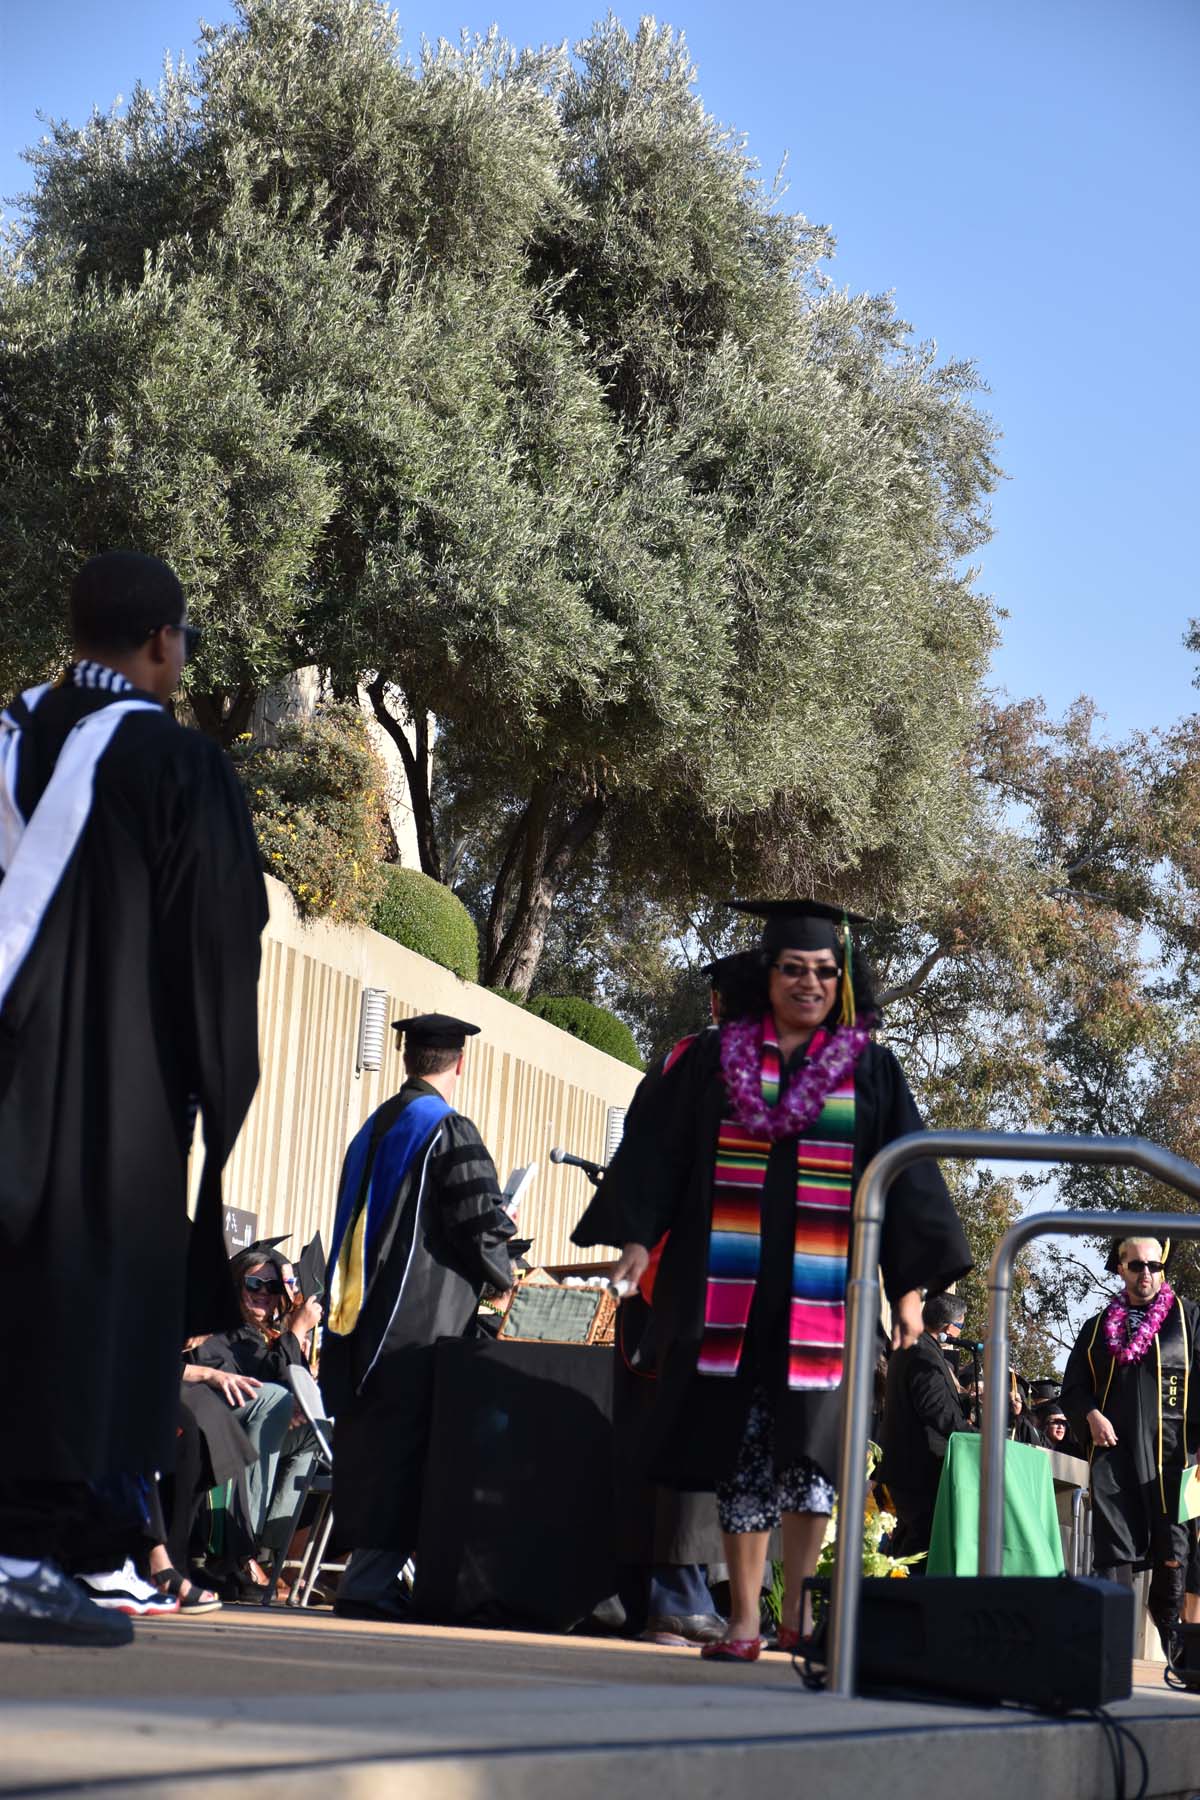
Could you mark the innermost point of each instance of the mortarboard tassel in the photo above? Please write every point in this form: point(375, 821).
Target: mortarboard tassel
point(849, 1013)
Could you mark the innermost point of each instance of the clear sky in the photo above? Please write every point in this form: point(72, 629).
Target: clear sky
point(1023, 173)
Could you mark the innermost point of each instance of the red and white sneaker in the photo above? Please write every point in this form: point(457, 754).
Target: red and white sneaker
point(123, 1590)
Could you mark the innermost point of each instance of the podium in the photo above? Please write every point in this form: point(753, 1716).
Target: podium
point(1032, 1539)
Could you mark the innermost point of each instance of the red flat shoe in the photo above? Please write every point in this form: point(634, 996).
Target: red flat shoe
point(792, 1642)
point(733, 1650)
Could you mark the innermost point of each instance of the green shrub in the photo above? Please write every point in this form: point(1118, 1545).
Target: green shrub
point(509, 994)
point(418, 912)
point(595, 1025)
point(316, 796)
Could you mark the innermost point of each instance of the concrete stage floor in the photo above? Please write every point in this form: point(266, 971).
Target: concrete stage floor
point(304, 1707)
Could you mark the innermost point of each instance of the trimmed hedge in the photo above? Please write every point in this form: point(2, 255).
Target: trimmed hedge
point(418, 912)
point(595, 1025)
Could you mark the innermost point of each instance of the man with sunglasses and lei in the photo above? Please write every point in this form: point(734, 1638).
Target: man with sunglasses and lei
point(747, 1152)
point(1132, 1391)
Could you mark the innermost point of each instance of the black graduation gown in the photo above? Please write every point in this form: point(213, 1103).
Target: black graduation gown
point(446, 1221)
point(247, 1352)
point(922, 1409)
point(1134, 1499)
point(661, 1179)
point(137, 997)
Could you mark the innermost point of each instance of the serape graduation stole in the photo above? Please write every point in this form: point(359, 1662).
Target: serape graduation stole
point(824, 1195)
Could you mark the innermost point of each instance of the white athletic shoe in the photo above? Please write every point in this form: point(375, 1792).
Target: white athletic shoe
point(123, 1590)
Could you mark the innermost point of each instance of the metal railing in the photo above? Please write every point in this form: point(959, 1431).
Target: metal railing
point(862, 1313)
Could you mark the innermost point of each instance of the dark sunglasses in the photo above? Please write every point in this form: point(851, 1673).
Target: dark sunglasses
point(1138, 1267)
point(192, 635)
point(793, 971)
point(263, 1284)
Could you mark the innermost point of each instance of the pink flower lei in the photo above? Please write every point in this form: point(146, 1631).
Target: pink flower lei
point(741, 1067)
point(1115, 1323)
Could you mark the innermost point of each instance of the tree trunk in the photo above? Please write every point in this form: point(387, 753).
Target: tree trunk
point(415, 760)
point(545, 854)
point(223, 714)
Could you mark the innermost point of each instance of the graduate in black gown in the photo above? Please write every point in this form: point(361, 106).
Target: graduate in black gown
point(747, 1154)
point(131, 903)
point(1132, 1392)
point(420, 1231)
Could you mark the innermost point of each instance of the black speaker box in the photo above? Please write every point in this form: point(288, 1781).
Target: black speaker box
point(1057, 1643)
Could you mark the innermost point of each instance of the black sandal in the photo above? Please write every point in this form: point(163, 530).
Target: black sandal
point(200, 1599)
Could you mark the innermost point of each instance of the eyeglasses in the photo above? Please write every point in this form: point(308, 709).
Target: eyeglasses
point(263, 1284)
point(793, 971)
point(1138, 1267)
point(192, 635)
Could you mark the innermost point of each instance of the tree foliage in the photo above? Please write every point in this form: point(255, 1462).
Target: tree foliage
point(315, 794)
point(501, 378)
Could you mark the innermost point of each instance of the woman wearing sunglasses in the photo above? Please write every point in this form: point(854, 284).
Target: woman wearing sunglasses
point(1132, 1391)
point(745, 1154)
point(276, 1331)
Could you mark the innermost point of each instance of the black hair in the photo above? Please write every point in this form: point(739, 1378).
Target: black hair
point(119, 598)
point(941, 1310)
point(746, 991)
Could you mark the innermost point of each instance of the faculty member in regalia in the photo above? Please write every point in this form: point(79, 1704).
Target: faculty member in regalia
point(748, 1152)
point(1132, 1391)
point(131, 903)
point(420, 1231)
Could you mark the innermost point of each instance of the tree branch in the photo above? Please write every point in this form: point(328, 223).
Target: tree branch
point(904, 990)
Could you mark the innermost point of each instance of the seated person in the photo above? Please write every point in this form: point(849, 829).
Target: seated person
point(277, 1324)
point(1021, 1428)
point(1055, 1428)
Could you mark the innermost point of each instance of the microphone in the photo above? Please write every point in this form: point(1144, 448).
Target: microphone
point(594, 1170)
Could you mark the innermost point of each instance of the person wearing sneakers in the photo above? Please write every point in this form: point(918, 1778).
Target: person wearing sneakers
point(131, 904)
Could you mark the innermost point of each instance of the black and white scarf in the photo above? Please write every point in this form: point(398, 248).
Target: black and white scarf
point(35, 852)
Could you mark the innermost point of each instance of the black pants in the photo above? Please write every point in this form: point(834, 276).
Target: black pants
point(914, 1525)
point(82, 1528)
point(175, 1498)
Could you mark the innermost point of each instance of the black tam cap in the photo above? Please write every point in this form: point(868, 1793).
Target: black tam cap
point(715, 971)
point(268, 1248)
point(435, 1031)
point(800, 924)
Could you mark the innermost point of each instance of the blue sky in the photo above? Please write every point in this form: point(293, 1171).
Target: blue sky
point(1023, 174)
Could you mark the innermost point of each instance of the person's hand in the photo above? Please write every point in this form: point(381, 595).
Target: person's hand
point(633, 1263)
point(1103, 1435)
point(239, 1390)
point(907, 1323)
point(303, 1317)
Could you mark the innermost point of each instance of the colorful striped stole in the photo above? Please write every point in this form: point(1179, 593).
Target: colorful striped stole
point(824, 1194)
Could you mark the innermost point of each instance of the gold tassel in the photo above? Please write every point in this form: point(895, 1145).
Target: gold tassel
point(849, 1012)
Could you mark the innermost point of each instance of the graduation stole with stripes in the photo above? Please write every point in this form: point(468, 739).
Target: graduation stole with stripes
point(824, 1194)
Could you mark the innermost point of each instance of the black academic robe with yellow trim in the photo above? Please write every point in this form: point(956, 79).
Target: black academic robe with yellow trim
point(661, 1180)
point(136, 1001)
point(442, 1238)
point(1154, 1408)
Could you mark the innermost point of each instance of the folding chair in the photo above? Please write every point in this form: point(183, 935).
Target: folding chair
point(319, 1482)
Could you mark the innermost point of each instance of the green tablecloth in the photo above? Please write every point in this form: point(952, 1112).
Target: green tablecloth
point(1032, 1542)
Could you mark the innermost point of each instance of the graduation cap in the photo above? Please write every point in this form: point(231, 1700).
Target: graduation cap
point(310, 1270)
point(1048, 1388)
point(1113, 1265)
point(809, 925)
point(268, 1249)
point(434, 1031)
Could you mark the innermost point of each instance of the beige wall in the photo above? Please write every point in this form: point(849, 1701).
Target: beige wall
point(527, 1085)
